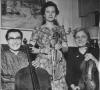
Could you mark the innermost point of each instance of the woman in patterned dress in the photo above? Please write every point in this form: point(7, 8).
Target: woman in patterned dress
point(51, 39)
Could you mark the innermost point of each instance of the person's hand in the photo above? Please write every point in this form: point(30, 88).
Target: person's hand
point(72, 85)
point(75, 87)
point(35, 63)
point(89, 56)
point(58, 46)
point(64, 46)
point(33, 42)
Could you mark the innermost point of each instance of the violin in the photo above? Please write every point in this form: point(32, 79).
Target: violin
point(87, 81)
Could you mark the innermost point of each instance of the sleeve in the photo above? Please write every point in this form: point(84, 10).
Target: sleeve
point(63, 34)
point(69, 77)
point(64, 39)
point(5, 77)
point(68, 58)
point(96, 53)
point(3, 63)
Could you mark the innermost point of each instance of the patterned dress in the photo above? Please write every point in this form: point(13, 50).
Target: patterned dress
point(53, 61)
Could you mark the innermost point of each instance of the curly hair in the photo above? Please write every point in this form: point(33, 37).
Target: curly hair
point(85, 30)
point(47, 4)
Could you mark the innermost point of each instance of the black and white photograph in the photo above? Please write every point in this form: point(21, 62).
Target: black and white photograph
point(50, 44)
point(21, 13)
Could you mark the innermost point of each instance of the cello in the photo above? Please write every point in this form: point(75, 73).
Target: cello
point(31, 78)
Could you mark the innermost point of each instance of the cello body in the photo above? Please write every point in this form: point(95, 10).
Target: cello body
point(23, 79)
point(31, 78)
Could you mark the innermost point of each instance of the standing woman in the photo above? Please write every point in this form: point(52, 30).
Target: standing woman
point(81, 70)
point(51, 40)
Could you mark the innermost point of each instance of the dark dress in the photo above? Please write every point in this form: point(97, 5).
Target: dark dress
point(74, 60)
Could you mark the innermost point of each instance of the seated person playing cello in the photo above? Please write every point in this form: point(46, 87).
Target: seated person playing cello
point(15, 71)
point(13, 59)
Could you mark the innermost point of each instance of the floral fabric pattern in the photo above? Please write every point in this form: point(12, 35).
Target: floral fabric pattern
point(53, 61)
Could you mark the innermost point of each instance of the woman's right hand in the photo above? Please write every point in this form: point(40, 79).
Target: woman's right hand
point(35, 63)
point(72, 86)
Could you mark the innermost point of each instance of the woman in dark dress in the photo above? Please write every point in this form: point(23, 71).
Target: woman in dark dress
point(81, 69)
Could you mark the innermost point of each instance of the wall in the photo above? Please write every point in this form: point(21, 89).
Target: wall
point(26, 34)
point(69, 13)
point(68, 17)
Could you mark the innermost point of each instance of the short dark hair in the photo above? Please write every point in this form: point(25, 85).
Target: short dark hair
point(47, 4)
point(13, 30)
point(85, 30)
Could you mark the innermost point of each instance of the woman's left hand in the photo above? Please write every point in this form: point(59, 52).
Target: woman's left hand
point(89, 56)
point(58, 46)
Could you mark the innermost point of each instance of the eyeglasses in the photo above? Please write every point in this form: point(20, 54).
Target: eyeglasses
point(17, 38)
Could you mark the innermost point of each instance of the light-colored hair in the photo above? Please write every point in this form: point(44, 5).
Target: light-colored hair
point(85, 30)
